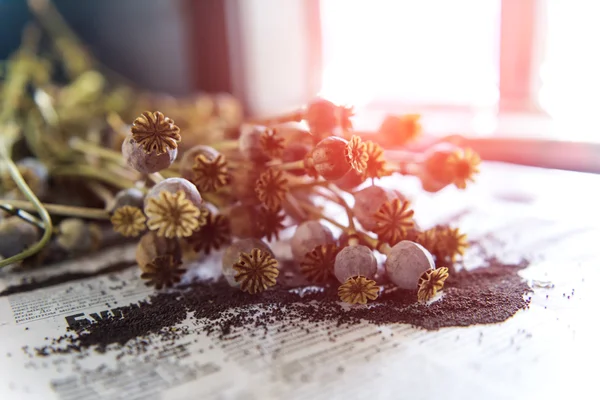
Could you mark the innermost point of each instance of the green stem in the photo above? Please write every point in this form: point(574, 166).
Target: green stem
point(176, 166)
point(294, 116)
point(383, 248)
point(337, 198)
point(124, 173)
point(93, 149)
point(317, 213)
point(300, 164)
point(18, 75)
point(156, 177)
point(103, 193)
point(52, 21)
point(43, 101)
point(226, 145)
point(214, 199)
point(87, 171)
point(26, 190)
point(59, 209)
point(44, 145)
point(170, 173)
point(117, 124)
point(308, 185)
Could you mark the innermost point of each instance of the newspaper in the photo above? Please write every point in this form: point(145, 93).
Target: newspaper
point(541, 352)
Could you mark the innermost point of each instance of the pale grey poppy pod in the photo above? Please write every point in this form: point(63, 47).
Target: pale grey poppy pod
point(406, 262)
point(354, 261)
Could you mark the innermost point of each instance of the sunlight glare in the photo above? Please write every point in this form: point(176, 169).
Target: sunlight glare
point(570, 73)
point(423, 52)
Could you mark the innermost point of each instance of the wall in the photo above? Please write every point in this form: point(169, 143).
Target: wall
point(148, 42)
point(145, 40)
point(274, 54)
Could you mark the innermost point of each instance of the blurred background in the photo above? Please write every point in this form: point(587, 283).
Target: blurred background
point(492, 71)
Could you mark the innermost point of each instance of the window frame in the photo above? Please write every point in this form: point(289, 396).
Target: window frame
point(521, 54)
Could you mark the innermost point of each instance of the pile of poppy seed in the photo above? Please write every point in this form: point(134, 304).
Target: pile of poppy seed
point(490, 294)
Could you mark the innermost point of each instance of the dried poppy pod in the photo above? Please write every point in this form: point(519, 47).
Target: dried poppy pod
point(413, 233)
point(397, 130)
point(429, 183)
point(325, 117)
point(321, 115)
point(76, 236)
point(270, 222)
point(16, 235)
point(189, 159)
point(431, 282)
point(376, 163)
point(355, 260)
point(368, 201)
point(35, 175)
point(173, 185)
point(394, 220)
point(272, 143)
point(317, 265)
point(271, 188)
point(127, 197)
point(129, 221)
point(352, 179)
point(435, 163)
point(358, 290)
point(146, 163)
point(406, 262)
point(444, 164)
point(151, 145)
point(232, 255)
point(444, 243)
point(243, 184)
point(328, 158)
point(345, 239)
point(464, 165)
point(175, 208)
point(295, 152)
point(256, 271)
point(209, 172)
point(294, 133)
point(163, 271)
point(155, 132)
point(213, 235)
point(356, 154)
point(250, 143)
point(243, 222)
point(152, 246)
point(307, 236)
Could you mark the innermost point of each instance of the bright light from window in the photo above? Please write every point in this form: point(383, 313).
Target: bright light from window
point(417, 52)
point(570, 73)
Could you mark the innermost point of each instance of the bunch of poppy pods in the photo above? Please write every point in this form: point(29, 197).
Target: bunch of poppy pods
point(288, 173)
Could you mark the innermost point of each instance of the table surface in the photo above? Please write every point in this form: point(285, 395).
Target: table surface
point(547, 216)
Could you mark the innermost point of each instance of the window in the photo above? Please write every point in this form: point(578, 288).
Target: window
point(421, 52)
point(535, 61)
point(570, 71)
